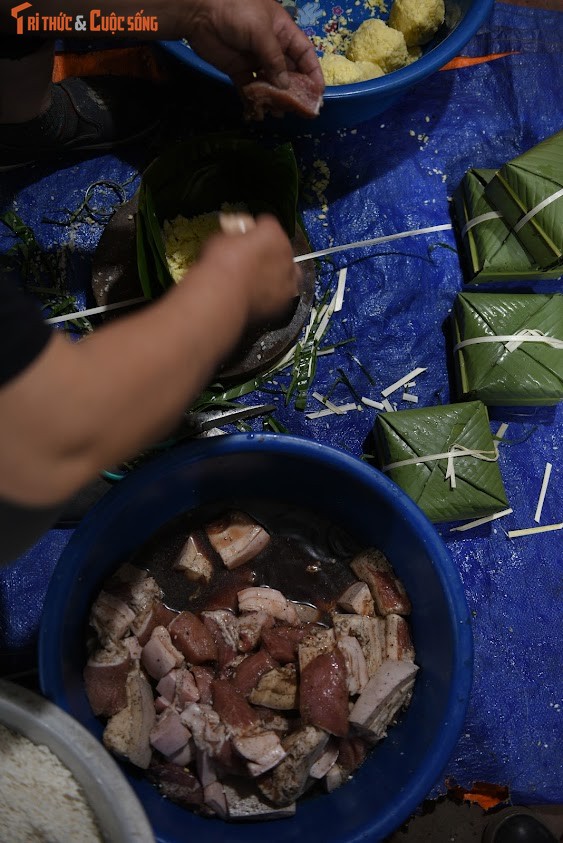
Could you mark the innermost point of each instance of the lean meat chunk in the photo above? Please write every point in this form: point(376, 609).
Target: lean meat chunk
point(269, 600)
point(159, 655)
point(288, 781)
point(323, 695)
point(193, 638)
point(105, 678)
point(303, 96)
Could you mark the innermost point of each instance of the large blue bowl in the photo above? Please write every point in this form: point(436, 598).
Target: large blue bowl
point(408, 763)
point(348, 105)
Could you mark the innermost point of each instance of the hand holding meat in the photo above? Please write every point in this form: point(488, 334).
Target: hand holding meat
point(260, 264)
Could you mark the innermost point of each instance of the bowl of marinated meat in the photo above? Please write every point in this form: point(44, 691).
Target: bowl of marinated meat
point(371, 53)
point(260, 628)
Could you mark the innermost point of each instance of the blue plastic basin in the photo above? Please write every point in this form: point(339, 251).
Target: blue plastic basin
point(404, 767)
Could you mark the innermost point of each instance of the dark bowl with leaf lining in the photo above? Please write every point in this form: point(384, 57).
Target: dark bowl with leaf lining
point(403, 768)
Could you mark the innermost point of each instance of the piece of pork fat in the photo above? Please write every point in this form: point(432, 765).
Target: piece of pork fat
point(382, 698)
point(176, 784)
point(370, 633)
point(352, 752)
point(387, 590)
point(319, 640)
point(169, 735)
point(186, 689)
point(203, 678)
point(193, 639)
point(303, 96)
point(245, 802)
point(272, 721)
point(111, 617)
point(223, 626)
point(127, 733)
point(288, 781)
point(237, 538)
point(270, 600)
point(247, 674)
point(398, 642)
point(357, 599)
point(262, 751)
point(277, 689)
point(356, 667)
point(105, 679)
point(321, 767)
point(159, 655)
point(208, 731)
point(193, 560)
point(136, 588)
point(251, 625)
point(323, 694)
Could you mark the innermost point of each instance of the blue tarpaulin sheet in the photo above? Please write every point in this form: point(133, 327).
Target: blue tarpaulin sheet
point(393, 174)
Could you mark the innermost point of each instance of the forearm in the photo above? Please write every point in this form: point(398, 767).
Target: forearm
point(81, 407)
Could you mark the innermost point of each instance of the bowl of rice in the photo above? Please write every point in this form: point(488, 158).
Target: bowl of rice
point(371, 51)
point(330, 498)
point(57, 782)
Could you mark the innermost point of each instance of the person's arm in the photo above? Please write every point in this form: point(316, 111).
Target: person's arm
point(84, 406)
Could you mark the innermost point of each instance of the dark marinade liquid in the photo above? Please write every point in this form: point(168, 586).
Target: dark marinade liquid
point(307, 558)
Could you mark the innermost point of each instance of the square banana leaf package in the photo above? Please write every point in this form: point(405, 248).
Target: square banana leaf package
point(434, 434)
point(528, 192)
point(491, 252)
point(526, 370)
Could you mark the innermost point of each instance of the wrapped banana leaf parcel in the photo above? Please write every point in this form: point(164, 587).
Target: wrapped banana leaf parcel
point(444, 457)
point(508, 349)
point(528, 192)
point(490, 250)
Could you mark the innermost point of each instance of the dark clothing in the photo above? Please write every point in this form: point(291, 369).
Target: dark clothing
point(23, 333)
point(23, 336)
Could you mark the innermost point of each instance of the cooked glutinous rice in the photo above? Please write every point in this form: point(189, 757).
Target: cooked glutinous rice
point(40, 800)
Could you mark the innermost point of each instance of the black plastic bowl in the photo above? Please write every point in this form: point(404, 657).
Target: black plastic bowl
point(404, 767)
point(348, 105)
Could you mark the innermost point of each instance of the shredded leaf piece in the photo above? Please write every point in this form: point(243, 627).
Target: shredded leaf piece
point(377, 405)
point(407, 396)
point(479, 521)
point(401, 382)
point(545, 481)
point(529, 531)
point(339, 299)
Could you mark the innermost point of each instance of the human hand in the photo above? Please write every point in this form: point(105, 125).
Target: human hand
point(255, 36)
point(259, 262)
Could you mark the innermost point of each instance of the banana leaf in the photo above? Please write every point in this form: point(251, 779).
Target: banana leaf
point(530, 375)
point(520, 186)
point(405, 434)
point(490, 250)
point(199, 176)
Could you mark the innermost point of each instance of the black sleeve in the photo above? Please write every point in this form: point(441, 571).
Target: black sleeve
point(23, 333)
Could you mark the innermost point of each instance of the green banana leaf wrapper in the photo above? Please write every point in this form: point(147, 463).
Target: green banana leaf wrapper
point(490, 250)
point(530, 375)
point(520, 186)
point(434, 430)
point(201, 175)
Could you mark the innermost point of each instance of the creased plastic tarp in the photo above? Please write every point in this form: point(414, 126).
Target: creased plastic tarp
point(393, 174)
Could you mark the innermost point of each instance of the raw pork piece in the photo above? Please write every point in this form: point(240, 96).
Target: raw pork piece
point(282, 642)
point(105, 678)
point(323, 694)
point(262, 751)
point(159, 655)
point(251, 625)
point(111, 617)
point(169, 735)
point(223, 626)
point(193, 639)
point(277, 689)
point(127, 732)
point(245, 802)
point(381, 699)
point(389, 593)
point(370, 633)
point(237, 538)
point(248, 673)
point(398, 642)
point(288, 781)
point(177, 784)
point(270, 600)
point(232, 707)
point(303, 96)
point(356, 667)
point(357, 599)
point(194, 561)
point(319, 641)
